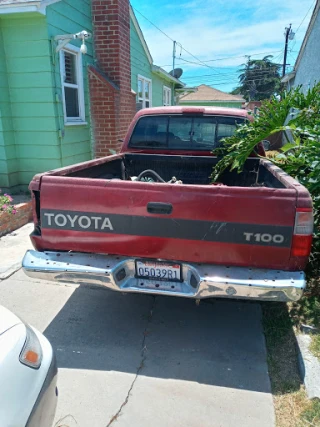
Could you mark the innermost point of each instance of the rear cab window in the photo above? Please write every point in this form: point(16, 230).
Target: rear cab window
point(183, 132)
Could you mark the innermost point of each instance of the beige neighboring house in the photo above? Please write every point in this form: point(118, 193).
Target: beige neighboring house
point(209, 96)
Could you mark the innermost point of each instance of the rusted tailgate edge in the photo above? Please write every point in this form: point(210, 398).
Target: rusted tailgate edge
point(36, 180)
point(303, 197)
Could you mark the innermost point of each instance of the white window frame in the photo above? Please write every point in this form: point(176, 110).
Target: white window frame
point(143, 99)
point(81, 120)
point(167, 93)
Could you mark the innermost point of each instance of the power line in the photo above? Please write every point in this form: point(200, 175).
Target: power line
point(221, 84)
point(242, 56)
point(295, 41)
point(233, 78)
point(192, 62)
point(230, 57)
point(170, 38)
point(278, 57)
point(215, 81)
point(294, 60)
point(199, 60)
point(197, 63)
point(165, 34)
point(254, 74)
point(313, 2)
point(252, 70)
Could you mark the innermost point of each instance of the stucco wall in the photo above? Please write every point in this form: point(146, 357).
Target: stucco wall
point(308, 70)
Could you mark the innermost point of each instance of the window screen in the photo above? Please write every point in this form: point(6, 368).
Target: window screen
point(144, 91)
point(72, 85)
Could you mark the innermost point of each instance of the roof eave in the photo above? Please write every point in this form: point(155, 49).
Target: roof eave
point(140, 35)
point(158, 70)
point(32, 6)
point(188, 89)
point(287, 77)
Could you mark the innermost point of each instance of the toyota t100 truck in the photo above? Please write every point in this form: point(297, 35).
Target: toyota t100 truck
point(150, 220)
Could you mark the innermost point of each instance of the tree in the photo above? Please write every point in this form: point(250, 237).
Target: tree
point(259, 79)
point(236, 91)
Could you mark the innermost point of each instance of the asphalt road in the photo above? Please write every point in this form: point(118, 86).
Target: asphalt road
point(143, 361)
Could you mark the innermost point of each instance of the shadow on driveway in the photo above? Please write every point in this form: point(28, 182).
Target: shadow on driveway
point(218, 343)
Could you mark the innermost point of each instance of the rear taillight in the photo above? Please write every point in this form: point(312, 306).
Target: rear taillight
point(302, 235)
point(36, 207)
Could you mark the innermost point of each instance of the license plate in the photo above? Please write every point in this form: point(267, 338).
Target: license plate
point(158, 271)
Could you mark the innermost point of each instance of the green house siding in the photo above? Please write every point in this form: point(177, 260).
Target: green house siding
point(28, 84)
point(157, 90)
point(140, 65)
point(8, 163)
point(33, 135)
point(69, 17)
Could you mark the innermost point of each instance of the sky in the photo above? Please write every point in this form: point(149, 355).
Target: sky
point(214, 36)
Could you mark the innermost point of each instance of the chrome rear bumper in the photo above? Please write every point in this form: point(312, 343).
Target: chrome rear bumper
point(199, 280)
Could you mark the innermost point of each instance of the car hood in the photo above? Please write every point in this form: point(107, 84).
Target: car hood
point(7, 319)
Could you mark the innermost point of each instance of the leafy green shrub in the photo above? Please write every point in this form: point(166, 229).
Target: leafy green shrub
point(299, 115)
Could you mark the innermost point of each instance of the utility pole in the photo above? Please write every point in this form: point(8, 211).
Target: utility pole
point(247, 72)
point(288, 35)
point(173, 66)
point(174, 55)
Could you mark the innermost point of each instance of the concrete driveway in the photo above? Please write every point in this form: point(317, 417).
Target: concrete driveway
point(143, 361)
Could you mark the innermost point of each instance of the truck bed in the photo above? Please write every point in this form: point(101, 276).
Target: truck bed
point(95, 207)
point(194, 170)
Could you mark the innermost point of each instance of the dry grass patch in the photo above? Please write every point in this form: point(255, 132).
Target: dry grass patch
point(292, 407)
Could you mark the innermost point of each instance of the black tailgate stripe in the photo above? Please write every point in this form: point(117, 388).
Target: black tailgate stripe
point(212, 231)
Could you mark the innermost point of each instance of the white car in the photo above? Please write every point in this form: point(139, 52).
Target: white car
point(28, 375)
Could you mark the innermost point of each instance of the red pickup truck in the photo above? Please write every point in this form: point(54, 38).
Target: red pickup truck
point(149, 219)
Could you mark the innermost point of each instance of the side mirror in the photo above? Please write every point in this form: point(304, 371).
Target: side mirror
point(266, 145)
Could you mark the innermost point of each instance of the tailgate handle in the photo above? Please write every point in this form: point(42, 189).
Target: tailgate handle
point(159, 208)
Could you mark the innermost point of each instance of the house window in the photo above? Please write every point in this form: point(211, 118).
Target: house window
point(72, 85)
point(144, 91)
point(166, 96)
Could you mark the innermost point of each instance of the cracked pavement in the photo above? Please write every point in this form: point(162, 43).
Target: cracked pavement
point(143, 358)
point(142, 361)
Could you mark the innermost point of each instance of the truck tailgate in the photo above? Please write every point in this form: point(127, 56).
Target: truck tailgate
point(202, 224)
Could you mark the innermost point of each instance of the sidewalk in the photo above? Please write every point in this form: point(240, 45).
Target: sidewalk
point(13, 246)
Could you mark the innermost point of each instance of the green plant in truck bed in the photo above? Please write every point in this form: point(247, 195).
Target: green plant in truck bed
point(298, 114)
